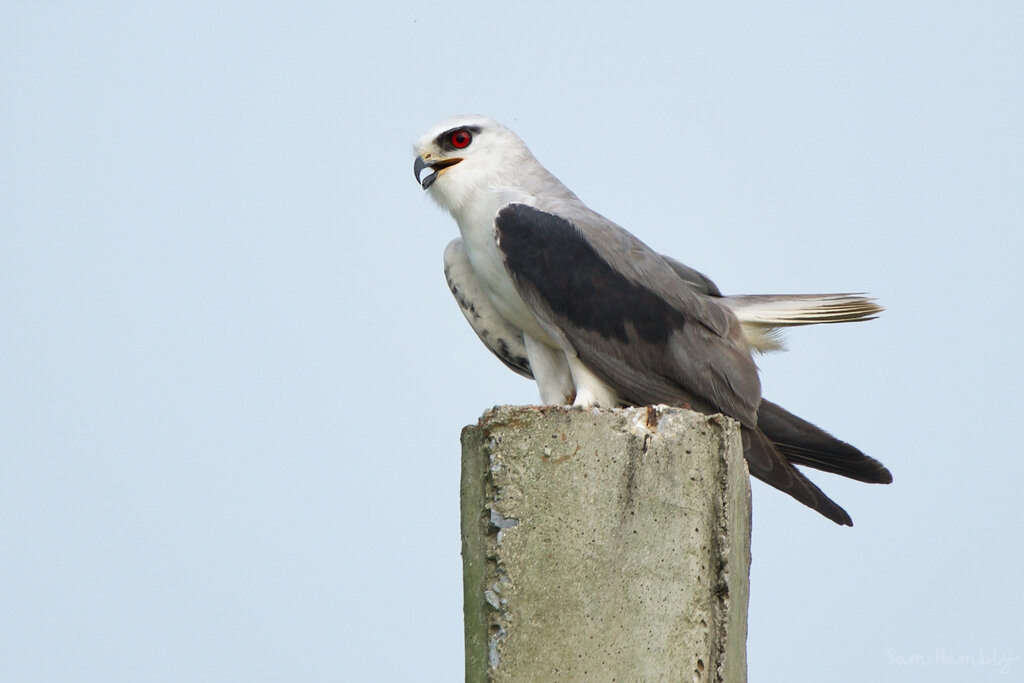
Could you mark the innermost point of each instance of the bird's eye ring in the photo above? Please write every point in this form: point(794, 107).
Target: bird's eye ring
point(460, 139)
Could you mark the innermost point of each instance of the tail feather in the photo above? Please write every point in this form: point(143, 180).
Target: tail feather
point(761, 315)
point(786, 310)
point(805, 444)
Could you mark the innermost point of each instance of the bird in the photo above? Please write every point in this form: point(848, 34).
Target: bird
point(598, 319)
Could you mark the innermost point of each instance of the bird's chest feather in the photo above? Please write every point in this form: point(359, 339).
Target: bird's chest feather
point(479, 237)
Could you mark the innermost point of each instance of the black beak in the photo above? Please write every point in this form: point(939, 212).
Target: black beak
point(435, 166)
point(417, 168)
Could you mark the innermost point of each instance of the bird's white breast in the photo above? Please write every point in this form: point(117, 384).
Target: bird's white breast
point(476, 223)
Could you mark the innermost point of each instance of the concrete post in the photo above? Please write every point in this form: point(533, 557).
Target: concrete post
point(604, 545)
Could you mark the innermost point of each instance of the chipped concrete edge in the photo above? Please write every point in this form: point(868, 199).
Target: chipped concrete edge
point(733, 549)
point(474, 570)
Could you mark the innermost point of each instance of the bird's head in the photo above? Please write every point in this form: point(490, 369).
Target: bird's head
point(462, 155)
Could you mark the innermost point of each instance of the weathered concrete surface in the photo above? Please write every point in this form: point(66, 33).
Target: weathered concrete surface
point(604, 545)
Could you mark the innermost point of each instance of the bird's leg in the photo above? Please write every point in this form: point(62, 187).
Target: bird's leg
point(551, 370)
point(590, 390)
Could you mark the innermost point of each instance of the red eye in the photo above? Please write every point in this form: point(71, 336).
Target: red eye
point(461, 139)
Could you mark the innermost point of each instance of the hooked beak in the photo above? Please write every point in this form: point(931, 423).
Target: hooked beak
point(435, 166)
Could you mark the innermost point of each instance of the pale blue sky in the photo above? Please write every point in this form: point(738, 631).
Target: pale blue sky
point(232, 378)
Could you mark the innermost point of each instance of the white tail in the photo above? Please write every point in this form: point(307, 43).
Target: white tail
point(762, 314)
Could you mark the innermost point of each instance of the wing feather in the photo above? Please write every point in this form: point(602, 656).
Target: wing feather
point(627, 314)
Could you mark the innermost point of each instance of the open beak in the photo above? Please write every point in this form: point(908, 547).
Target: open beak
point(435, 166)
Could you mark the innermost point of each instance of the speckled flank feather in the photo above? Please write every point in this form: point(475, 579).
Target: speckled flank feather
point(505, 341)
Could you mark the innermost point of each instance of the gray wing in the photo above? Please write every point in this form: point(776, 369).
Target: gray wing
point(627, 314)
point(696, 279)
point(504, 340)
point(655, 331)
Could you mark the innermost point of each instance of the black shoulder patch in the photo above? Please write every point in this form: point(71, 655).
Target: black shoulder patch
point(549, 255)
